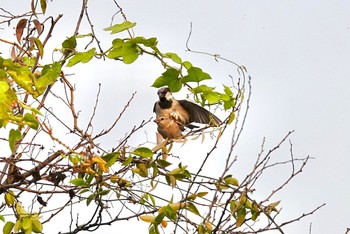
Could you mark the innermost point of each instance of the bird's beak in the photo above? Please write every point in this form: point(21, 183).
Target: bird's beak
point(156, 121)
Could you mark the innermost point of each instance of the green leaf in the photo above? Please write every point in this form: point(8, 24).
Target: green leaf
point(241, 213)
point(10, 198)
point(27, 224)
point(14, 136)
point(104, 192)
point(29, 61)
point(32, 109)
point(170, 213)
point(231, 118)
point(84, 191)
point(79, 182)
point(170, 179)
point(163, 163)
point(70, 43)
point(2, 218)
point(22, 75)
point(174, 57)
point(8, 227)
point(144, 198)
point(7, 101)
point(31, 121)
point(127, 161)
point(159, 218)
point(120, 27)
point(191, 207)
point(233, 206)
point(37, 226)
point(225, 97)
point(255, 215)
point(3, 74)
point(202, 89)
point(187, 64)
point(4, 86)
point(75, 159)
point(274, 204)
point(229, 104)
point(18, 225)
point(211, 97)
point(90, 198)
point(195, 74)
point(169, 78)
point(150, 42)
point(195, 195)
point(89, 178)
point(111, 158)
point(242, 199)
point(255, 211)
point(227, 90)
point(143, 152)
point(39, 46)
point(128, 51)
point(153, 229)
point(248, 204)
point(141, 169)
point(43, 6)
point(49, 74)
point(20, 210)
point(272, 207)
point(202, 194)
point(231, 181)
point(82, 57)
point(152, 199)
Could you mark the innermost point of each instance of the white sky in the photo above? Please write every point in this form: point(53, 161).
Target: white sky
point(297, 53)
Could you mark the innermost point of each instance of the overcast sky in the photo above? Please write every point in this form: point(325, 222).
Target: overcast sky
point(297, 53)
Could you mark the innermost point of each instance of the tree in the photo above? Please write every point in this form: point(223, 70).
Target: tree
point(124, 182)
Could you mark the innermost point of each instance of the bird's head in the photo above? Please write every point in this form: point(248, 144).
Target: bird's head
point(164, 94)
point(162, 121)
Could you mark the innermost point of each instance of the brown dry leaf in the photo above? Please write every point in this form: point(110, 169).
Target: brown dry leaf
point(33, 7)
point(13, 53)
point(19, 29)
point(38, 26)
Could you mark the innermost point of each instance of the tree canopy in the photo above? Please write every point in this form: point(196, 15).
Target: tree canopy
point(53, 163)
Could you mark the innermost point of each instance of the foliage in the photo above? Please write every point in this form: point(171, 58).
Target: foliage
point(125, 174)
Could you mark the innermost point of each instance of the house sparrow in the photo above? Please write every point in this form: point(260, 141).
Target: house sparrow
point(168, 127)
point(178, 114)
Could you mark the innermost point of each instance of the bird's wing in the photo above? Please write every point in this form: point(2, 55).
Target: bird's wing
point(198, 114)
point(154, 107)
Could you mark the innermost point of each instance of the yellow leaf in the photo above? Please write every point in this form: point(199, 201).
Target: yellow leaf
point(172, 181)
point(241, 213)
point(231, 118)
point(147, 218)
point(10, 198)
point(208, 226)
point(161, 210)
point(101, 163)
point(178, 205)
point(90, 171)
point(159, 146)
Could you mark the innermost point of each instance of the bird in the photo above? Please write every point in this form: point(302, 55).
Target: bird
point(178, 114)
point(168, 127)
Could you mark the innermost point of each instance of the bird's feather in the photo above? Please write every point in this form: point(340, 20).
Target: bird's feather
point(198, 114)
